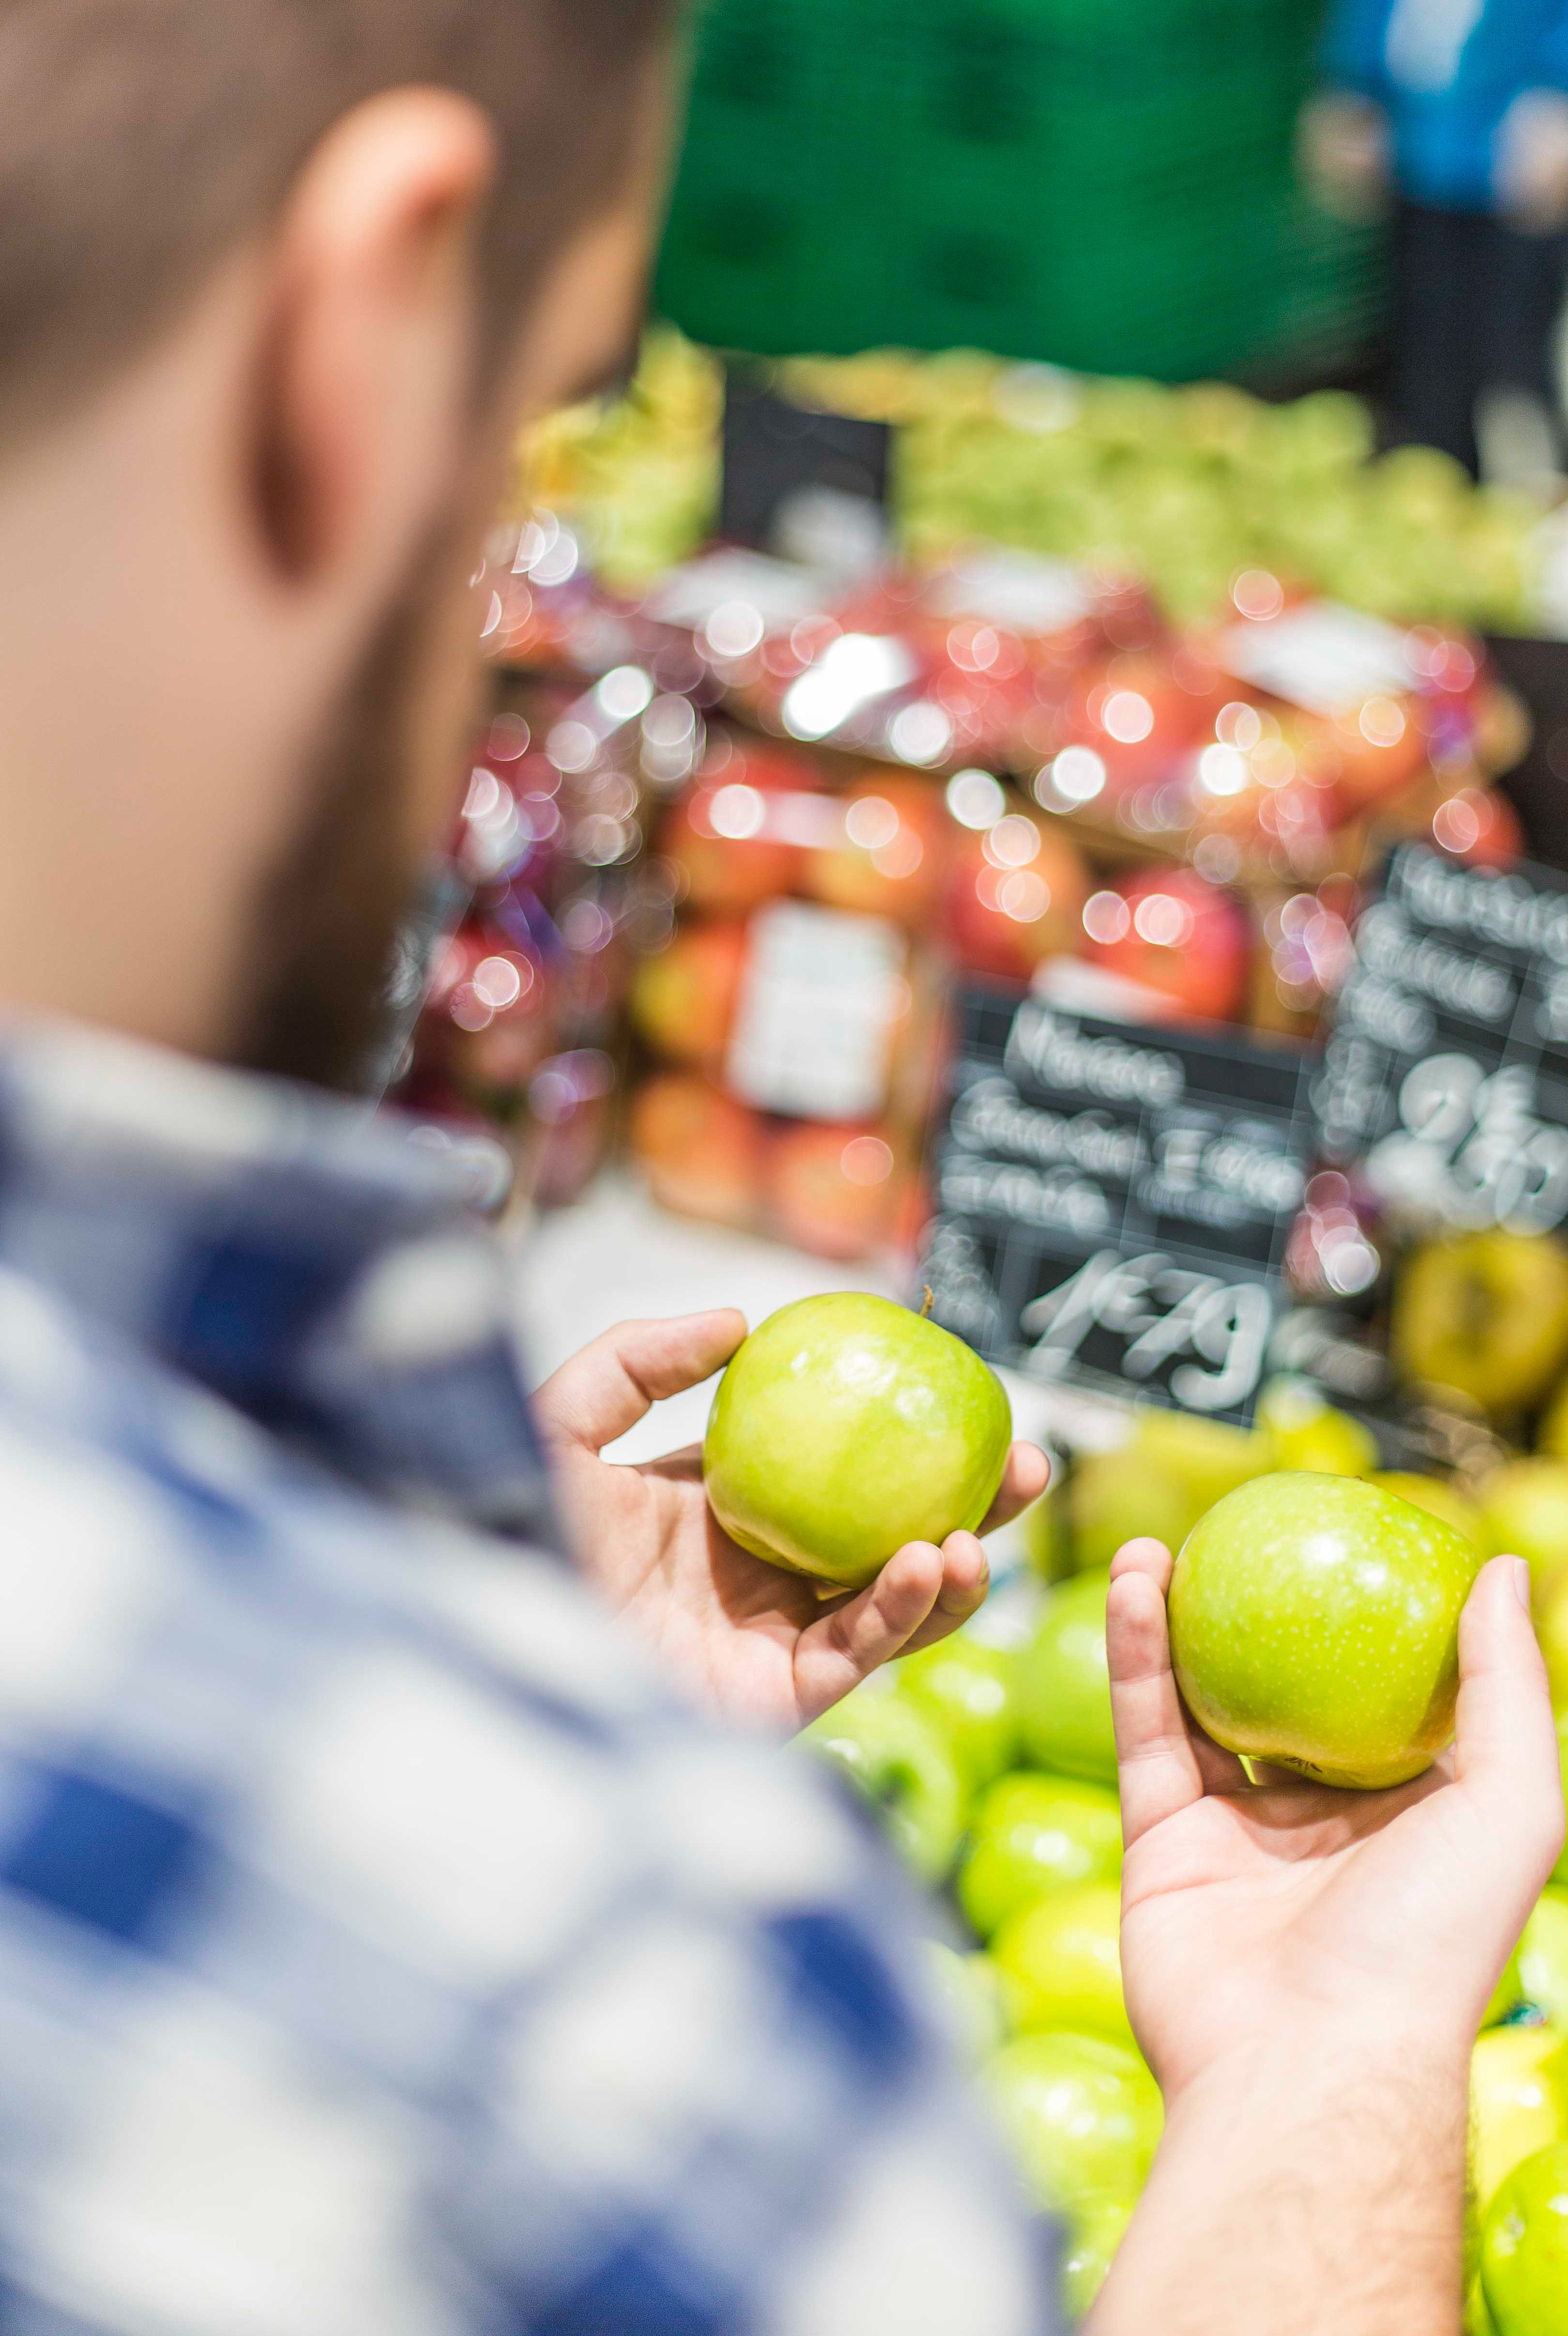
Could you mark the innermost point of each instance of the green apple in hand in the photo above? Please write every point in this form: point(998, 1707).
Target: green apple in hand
point(1525, 1514)
point(1031, 1834)
point(970, 1691)
point(846, 1426)
point(1084, 2116)
point(903, 1763)
point(1064, 1684)
point(1524, 2247)
point(1314, 1623)
point(1518, 2102)
point(1061, 1961)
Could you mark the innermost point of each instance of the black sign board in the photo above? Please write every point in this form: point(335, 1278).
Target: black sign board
point(1114, 1201)
point(1446, 1077)
point(776, 453)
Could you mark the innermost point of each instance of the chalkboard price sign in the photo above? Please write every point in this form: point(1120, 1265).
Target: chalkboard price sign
point(1114, 1199)
point(1446, 1077)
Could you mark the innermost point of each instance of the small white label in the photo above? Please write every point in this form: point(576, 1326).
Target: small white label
point(780, 592)
point(823, 992)
point(1326, 659)
point(1011, 589)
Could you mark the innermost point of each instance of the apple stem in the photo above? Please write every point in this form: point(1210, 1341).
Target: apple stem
point(929, 1303)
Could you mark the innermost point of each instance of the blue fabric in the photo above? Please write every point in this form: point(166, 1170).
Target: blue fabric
point(1447, 71)
point(381, 1951)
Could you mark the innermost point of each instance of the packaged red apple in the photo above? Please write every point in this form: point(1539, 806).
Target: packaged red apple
point(796, 1056)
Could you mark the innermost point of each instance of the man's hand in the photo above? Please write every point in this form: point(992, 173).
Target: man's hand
point(1306, 1971)
point(756, 1643)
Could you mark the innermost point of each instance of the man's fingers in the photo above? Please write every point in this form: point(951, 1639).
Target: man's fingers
point(1162, 1767)
point(1026, 1475)
point(852, 1640)
point(966, 1585)
point(1505, 1743)
point(605, 1390)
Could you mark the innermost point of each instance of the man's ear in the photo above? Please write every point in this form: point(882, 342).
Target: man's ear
point(364, 378)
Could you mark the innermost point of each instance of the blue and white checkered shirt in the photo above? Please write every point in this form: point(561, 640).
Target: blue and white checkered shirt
point(381, 1951)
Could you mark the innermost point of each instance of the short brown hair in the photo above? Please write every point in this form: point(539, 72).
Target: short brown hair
point(141, 141)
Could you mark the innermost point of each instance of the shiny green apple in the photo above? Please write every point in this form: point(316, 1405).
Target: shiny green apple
point(971, 1689)
point(903, 1763)
point(1478, 2321)
point(1064, 1684)
point(845, 1426)
point(1436, 1495)
point(1518, 2102)
point(1061, 1961)
point(1524, 2247)
point(1543, 1957)
point(1525, 1514)
point(1031, 1834)
point(1084, 2116)
point(1314, 1623)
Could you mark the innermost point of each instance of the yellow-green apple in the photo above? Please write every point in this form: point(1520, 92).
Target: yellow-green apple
point(905, 1767)
point(1094, 2235)
point(1117, 1496)
point(1484, 1313)
point(1436, 1495)
point(1207, 1459)
point(1061, 1963)
point(1543, 1957)
point(846, 1426)
point(970, 1688)
point(1552, 1434)
point(1048, 1538)
point(1525, 1514)
point(1551, 1629)
point(1518, 2102)
point(1524, 2247)
point(1314, 1623)
point(1084, 2116)
point(1032, 1834)
point(1301, 1429)
point(682, 999)
point(1064, 1684)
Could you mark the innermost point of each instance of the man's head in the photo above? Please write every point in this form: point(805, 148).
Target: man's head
point(279, 279)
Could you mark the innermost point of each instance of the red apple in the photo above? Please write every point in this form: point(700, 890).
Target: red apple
point(701, 1152)
point(896, 841)
point(1480, 827)
point(1015, 895)
point(833, 1189)
point(1379, 748)
point(683, 1000)
point(489, 1017)
point(1169, 932)
point(1135, 714)
point(724, 836)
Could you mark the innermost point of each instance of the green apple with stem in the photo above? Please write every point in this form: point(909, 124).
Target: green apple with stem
point(1314, 1624)
point(903, 1763)
point(971, 1689)
point(846, 1426)
point(1543, 1957)
point(1064, 1684)
point(1084, 2116)
point(1525, 1514)
point(1524, 2247)
point(1031, 1834)
point(1518, 2102)
point(1061, 1963)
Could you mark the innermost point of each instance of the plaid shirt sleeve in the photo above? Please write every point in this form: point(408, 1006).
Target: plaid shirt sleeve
point(382, 1954)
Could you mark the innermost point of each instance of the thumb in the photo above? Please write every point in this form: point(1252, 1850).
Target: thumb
point(612, 1384)
point(1505, 1743)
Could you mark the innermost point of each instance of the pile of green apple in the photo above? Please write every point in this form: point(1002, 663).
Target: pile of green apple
point(993, 1767)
